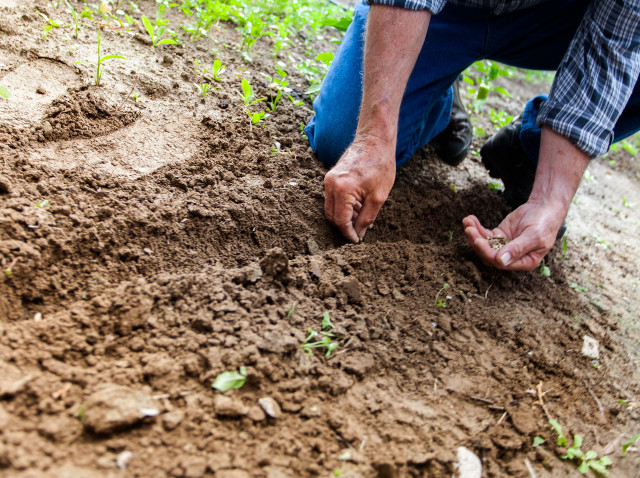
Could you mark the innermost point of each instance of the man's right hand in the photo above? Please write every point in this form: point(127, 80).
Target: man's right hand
point(358, 185)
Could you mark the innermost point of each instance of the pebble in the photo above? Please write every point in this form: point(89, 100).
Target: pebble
point(171, 420)
point(122, 460)
point(115, 407)
point(229, 407)
point(270, 407)
point(313, 247)
point(469, 465)
point(256, 414)
point(590, 347)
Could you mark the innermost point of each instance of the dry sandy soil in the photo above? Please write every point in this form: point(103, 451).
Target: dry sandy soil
point(175, 243)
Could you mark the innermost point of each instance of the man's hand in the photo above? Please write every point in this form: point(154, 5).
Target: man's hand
point(532, 228)
point(358, 185)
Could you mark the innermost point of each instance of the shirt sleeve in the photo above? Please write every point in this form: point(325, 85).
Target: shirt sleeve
point(596, 76)
point(434, 6)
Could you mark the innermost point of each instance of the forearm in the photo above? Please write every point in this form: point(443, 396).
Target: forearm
point(560, 168)
point(394, 39)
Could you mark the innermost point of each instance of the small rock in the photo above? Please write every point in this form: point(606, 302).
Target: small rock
point(171, 420)
point(12, 379)
point(122, 460)
point(313, 247)
point(469, 465)
point(383, 289)
point(311, 411)
point(590, 348)
point(229, 407)
point(314, 268)
point(40, 90)
point(5, 185)
point(256, 414)
point(270, 407)
point(115, 407)
point(397, 295)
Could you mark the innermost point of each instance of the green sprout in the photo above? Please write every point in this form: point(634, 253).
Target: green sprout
point(564, 247)
point(537, 441)
point(43, 204)
point(291, 311)
point(217, 69)
point(562, 440)
point(77, 24)
point(626, 446)
point(156, 32)
point(79, 413)
point(589, 460)
point(544, 270)
point(325, 342)
point(49, 24)
point(4, 92)
point(442, 302)
point(280, 85)
point(230, 379)
point(9, 270)
point(578, 288)
point(101, 59)
point(247, 96)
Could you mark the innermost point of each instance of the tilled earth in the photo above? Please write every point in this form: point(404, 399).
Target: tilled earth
point(176, 244)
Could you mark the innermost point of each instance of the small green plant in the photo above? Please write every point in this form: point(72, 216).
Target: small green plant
point(501, 118)
point(496, 186)
point(442, 302)
point(79, 413)
point(280, 85)
point(101, 59)
point(326, 342)
point(44, 204)
point(537, 441)
point(543, 269)
point(49, 24)
point(9, 269)
point(230, 379)
point(564, 247)
point(562, 440)
point(217, 69)
point(626, 446)
point(291, 310)
point(76, 24)
point(4, 92)
point(156, 32)
point(589, 460)
point(247, 96)
point(578, 288)
point(480, 77)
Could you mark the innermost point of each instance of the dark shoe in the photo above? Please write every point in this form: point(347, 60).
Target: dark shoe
point(452, 144)
point(504, 157)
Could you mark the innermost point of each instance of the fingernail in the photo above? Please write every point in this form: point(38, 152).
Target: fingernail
point(505, 258)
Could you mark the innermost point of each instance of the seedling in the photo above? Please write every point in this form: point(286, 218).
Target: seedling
point(9, 270)
point(564, 247)
point(49, 24)
point(562, 440)
point(247, 96)
point(537, 441)
point(325, 342)
point(588, 460)
point(442, 302)
point(4, 92)
point(44, 204)
point(544, 270)
point(486, 72)
point(495, 186)
point(79, 413)
point(230, 379)
point(217, 69)
point(101, 59)
point(156, 32)
point(291, 311)
point(577, 288)
point(76, 24)
point(626, 446)
point(280, 85)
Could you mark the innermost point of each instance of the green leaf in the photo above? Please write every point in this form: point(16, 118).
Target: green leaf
point(166, 41)
point(630, 442)
point(483, 92)
point(502, 91)
point(230, 379)
point(590, 455)
point(478, 132)
point(148, 26)
point(600, 467)
point(326, 57)
point(583, 468)
point(537, 441)
point(112, 57)
point(330, 348)
point(4, 92)
point(326, 321)
point(341, 24)
point(468, 80)
point(248, 92)
point(314, 88)
point(292, 310)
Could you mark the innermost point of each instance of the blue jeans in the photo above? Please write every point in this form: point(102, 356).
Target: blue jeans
point(534, 38)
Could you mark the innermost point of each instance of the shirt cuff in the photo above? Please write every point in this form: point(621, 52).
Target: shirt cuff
point(433, 6)
point(576, 125)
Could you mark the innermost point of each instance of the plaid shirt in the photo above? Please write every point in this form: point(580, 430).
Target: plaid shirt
point(596, 76)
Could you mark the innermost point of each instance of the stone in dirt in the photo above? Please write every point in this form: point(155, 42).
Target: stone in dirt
point(590, 347)
point(116, 407)
point(270, 407)
point(229, 407)
point(171, 420)
point(313, 247)
point(469, 465)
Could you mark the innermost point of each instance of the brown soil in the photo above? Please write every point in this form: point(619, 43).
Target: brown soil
point(176, 243)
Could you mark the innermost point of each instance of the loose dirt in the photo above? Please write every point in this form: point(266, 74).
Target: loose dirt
point(176, 244)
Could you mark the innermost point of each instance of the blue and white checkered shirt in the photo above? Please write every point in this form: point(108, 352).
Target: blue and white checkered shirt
point(596, 76)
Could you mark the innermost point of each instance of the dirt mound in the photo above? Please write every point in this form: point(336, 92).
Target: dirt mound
point(151, 245)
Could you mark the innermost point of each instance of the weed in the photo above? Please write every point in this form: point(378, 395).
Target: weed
point(49, 24)
point(325, 342)
point(4, 92)
point(230, 379)
point(588, 460)
point(101, 59)
point(626, 446)
point(543, 269)
point(156, 32)
point(442, 302)
point(450, 235)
